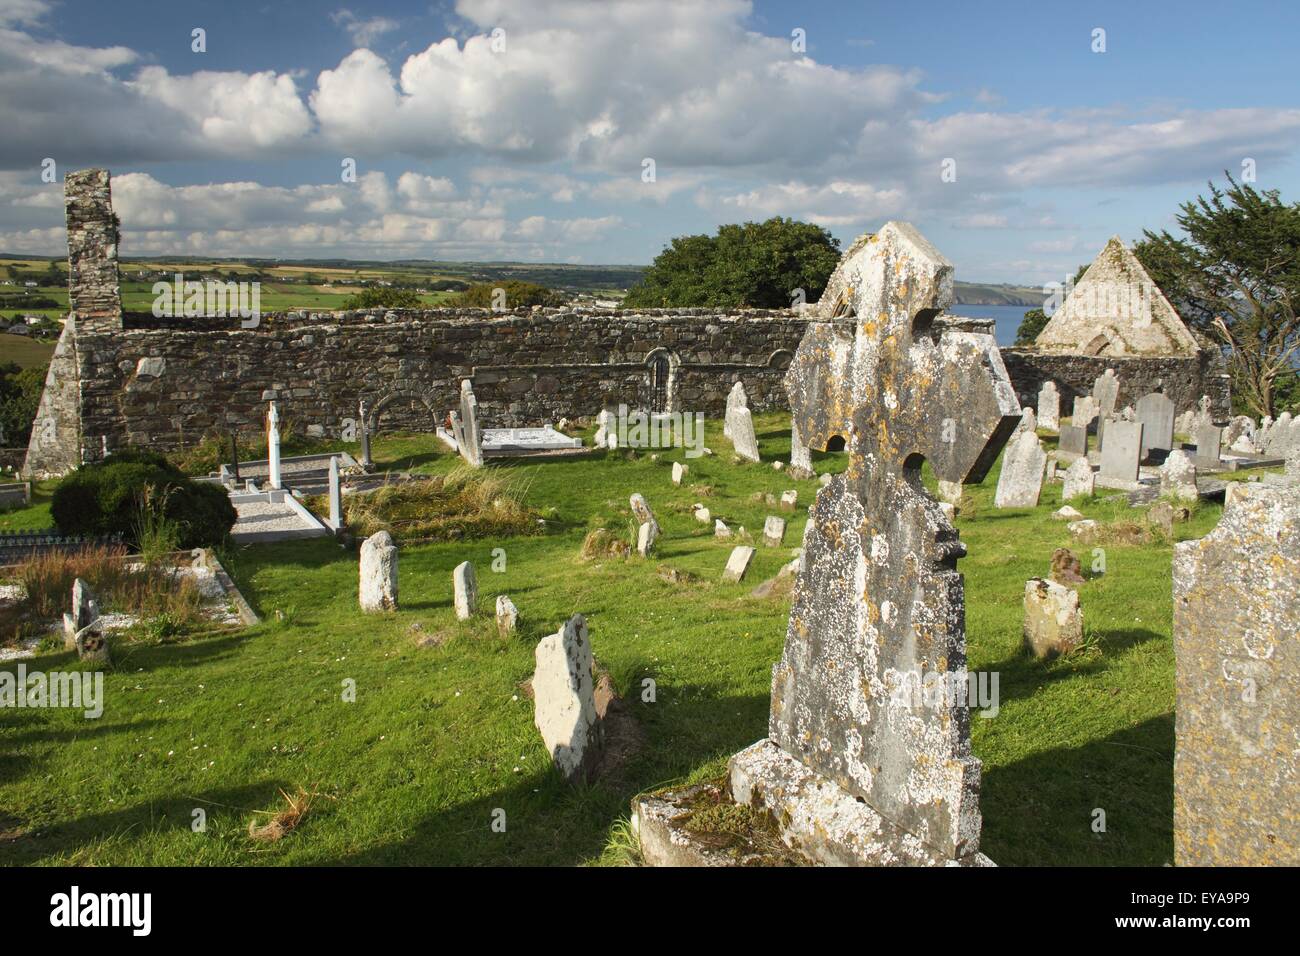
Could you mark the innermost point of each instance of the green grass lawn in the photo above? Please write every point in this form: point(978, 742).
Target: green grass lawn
point(439, 738)
point(25, 351)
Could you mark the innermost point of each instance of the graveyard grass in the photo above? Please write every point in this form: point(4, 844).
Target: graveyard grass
point(440, 738)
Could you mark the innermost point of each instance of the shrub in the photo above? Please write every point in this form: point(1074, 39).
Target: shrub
point(106, 497)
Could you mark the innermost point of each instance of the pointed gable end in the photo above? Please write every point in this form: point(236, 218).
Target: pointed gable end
point(1116, 310)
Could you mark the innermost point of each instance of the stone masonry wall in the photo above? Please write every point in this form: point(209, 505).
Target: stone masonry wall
point(1184, 380)
point(93, 288)
point(164, 383)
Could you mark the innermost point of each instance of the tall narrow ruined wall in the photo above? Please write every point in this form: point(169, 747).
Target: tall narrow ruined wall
point(168, 383)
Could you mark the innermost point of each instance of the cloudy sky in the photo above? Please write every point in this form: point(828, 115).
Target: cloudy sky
point(520, 129)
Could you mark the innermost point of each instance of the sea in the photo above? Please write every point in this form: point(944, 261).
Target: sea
point(1006, 318)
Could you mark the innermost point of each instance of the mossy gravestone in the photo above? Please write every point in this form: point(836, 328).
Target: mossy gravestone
point(858, 769)
point(1237, 711)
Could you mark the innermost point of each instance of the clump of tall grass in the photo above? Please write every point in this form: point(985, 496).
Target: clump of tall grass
point(465, 503)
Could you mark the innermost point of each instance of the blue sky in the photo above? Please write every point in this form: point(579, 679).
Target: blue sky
point(532, 147)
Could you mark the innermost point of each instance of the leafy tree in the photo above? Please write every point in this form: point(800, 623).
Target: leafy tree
point(1030, 326)
point(756, 264)
point(517, 293)
point(1235, 275)
point(380, 297)
point(20, 395)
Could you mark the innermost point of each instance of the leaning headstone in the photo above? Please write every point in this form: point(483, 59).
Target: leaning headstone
point(679, 472)
point(1105, 392)
point(1156, 413)
point(336, 496)
point(1121, 454)
point(741, 428)
point(507, 616)
point(564, 699)
point(465, 426)
point(1178, 477)
point(1237, 679)
point(736, 398)
point(1049, 407)
point(379, 573)
point(465, 588)
point(1021, 480)
point(1080, 482)
point(641, 510)
point(645, 539)
point(1209, 443)
point(1053, 622)
point(773, 531)
point(878, 605)
point(85, 612)
point(273, 446)
point(738, 563)
point(1073, 440)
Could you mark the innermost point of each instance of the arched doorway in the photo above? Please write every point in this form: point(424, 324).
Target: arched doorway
point(661, 380)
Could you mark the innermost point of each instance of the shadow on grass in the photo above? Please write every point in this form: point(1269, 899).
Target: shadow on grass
point(1021, 674)
point(1041, 810)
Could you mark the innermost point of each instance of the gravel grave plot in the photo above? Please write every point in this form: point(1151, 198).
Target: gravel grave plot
point(269, 521)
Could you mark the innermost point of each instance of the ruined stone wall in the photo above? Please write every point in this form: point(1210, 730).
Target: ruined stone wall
point(1183, 379)
point(164, 383)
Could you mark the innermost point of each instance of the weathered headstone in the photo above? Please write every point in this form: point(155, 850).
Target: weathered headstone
point(1079, 480)
point(679, 472)
point(1105, 392)
point(1021, 480)
point(1178, 477)
point(720, 529)
point(1237, 678)
point(773, 531)
point(645, 539)
point(85, 612)
point(738, 563)
point(1073, 440)
point(1121, 454)
point(507, 616)
point(605, 423)
point(1085, 411)
point(1156, 413)
point(564, 699)
point(741, 428)
point(336, 496)
point(789, 499)
point(641, 510)
point(465, 426)
point(736, 398)
point(950, 492)
point(1053, 622)
point(702, 514)
point(1049, 407)
point(1209, 441)
point(379, 573)
point(878, 602)
point(364, 424)
point(273, 446)
point(465, 588)
point(800, 454)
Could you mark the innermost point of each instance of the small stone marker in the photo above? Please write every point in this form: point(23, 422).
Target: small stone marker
point(507, 616)
point(1237, 681)
point(679, 472)
point(1021, 480)
point(1066, 513)
point(1079, 480)
point(1105, 392)
point(773, 531)
point(564, 699)
point(1122, 452)
point(336, 496)
point(1049, 407)
point(1066, 568)
point(702, 514)
point(738, 563)
point(1053, 621)
point(789, 499)
point(1178, 477)
point(1156, 413)
point(605, 422)
point(1161, 517)
point(85, 612)
point(950, 491)
point(720, 529)
point(736, 398)
point(645, 539)
point(642, 511)
point(1073, 440)
point(379, 573)
point(465, 587)
point(741, 426)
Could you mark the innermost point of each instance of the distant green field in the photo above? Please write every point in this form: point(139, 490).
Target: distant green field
point(24, 351)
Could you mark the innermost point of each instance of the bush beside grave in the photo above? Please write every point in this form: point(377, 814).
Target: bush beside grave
point(104, 498)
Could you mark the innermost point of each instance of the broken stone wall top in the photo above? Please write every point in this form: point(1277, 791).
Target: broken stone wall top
point(94, 293)
point(1117, 310)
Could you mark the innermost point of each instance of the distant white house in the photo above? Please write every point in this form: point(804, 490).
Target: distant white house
point(30, 284)
point(33, 319)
